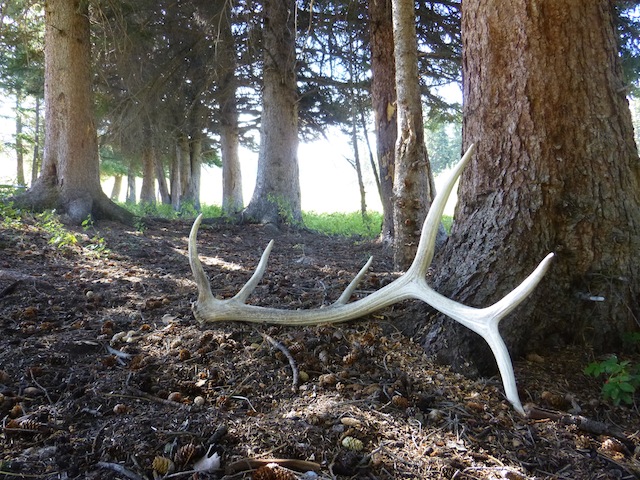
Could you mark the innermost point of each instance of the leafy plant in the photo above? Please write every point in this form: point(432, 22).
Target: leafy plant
point(59, 236)
point(621, 379)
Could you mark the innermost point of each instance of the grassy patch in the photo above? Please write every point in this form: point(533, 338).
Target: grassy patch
point(345, 224)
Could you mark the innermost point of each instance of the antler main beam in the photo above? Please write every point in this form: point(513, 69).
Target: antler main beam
point(412, 285)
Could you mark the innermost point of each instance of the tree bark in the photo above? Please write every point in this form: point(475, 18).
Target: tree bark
point(413, 185)
point(232, 198)
point(117, 188)
point(19, 144)
point(383, 97)
point(276, 198)
point(556, 170)
point(35, 163)
point(148, 190)
point(70, 180)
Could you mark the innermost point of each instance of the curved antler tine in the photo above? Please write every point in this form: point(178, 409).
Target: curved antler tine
point(427, 243)
point(204, 288)
point(245, 291)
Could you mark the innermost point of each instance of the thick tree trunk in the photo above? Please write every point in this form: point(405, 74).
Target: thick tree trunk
point(276, 198)
point(556, 170)
point(413, 183)
point(70, 181)
point(383, 97)
point(232, 198)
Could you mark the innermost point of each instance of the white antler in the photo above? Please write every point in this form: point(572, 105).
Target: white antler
point(413, 284)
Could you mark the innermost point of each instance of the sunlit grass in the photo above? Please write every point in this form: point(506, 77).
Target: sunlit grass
point(343, 224)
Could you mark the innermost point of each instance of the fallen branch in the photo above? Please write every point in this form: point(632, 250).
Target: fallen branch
point(287, 353)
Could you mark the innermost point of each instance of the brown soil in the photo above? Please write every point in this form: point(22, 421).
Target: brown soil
point(369, 404)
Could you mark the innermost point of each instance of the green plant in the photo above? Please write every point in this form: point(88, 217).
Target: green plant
point(621, 379)
point(59, 236)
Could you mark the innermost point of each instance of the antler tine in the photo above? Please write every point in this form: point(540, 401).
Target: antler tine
point(346, 295)
point(250, 286)
point(426, 246)
point(204, 287)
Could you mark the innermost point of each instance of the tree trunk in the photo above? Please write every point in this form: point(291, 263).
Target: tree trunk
point(184, 150)
point(162, 181)
point(35, 163)
point(148, 189)
point(131, 184)
point(232, 198)
point(70, 180)
point(413, 184)
point(117, 188)
point(276, 198)
point(192, 195)
point(19, 144)
point(556, 170)
point(176, 183)
point(383, 97)
point(356, 156)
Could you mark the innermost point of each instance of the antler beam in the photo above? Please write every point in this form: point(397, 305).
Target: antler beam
point(412, 285)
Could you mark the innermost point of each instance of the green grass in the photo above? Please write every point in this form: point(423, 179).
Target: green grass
point(343, 224)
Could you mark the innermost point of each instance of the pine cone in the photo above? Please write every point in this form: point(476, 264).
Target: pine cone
point(188, 453)
point(273, 472)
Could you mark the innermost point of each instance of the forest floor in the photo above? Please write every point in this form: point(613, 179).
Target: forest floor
point(105, 374)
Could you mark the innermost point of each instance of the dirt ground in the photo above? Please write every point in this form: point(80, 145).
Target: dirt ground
point(105, 374)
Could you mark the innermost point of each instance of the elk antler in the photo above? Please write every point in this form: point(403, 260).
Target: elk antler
point(413, 284)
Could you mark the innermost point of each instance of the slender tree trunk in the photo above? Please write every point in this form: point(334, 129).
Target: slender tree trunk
point(276, 198)
point(117, 188)
point(356, 156)
point(70, 180)
point(185, 164)
point(232, 198)
point(176, 183)
point(148, 190)
point(556, 170)
point(195, 157)
point(35, 163)
point(131, 184)
point(19, 144)
point(372, 162)
point(163, 189)
point(383, 97)
point(413, 183)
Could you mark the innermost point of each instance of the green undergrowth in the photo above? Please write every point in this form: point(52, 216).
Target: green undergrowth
point(344, 224)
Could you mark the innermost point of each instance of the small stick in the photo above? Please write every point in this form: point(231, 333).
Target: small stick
point(287, 353)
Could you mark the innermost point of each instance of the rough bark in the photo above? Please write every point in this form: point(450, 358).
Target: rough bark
point(70, 180)
point(276, 198)
point(556, 170)
point(383, 97)
point(413, 185)
point(232, 198)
